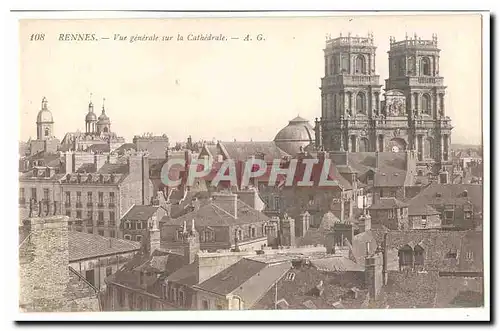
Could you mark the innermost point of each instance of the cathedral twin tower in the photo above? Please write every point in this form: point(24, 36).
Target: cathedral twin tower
point(412, 114)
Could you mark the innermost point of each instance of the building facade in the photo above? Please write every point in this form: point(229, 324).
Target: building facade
point(412, 116)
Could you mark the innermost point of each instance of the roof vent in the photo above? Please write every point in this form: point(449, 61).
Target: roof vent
point(465, 193)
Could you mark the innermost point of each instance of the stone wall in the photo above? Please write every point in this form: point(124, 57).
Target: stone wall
point(44, 260)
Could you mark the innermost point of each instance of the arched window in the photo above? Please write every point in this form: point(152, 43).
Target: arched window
point(353, 143)
point(47, 132)
point(332, 66)
point(360, 65)
point(105, 129)
point(363, 145)
point(426, 104)
point(405, 257)
point(425, 66)
point(360, 102)
point(418, 256)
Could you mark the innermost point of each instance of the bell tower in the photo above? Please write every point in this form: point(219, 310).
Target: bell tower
point(44, 122)
point(350, 93)
point(414, 70)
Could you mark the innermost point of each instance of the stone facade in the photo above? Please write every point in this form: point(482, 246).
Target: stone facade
point(412, 117)
point(46, 282)
point(155, 145)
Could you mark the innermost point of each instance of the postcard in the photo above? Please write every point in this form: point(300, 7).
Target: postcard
point(326, 166)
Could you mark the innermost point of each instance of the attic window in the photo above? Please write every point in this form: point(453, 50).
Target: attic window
point(290, 276)
point(438, 195)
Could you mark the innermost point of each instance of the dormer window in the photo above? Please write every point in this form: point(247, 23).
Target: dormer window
point(451, 254)
point(290, 276)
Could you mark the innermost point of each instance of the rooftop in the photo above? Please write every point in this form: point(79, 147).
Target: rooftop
point(87, 246)
point(140, 213)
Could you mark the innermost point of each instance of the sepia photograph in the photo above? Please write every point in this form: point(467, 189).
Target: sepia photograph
point(324, 164)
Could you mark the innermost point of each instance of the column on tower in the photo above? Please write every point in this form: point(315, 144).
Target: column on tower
point(442, 147)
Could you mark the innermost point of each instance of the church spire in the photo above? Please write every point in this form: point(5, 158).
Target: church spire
point(103, 109)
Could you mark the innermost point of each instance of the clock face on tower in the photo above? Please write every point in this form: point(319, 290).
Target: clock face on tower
point(395, 149)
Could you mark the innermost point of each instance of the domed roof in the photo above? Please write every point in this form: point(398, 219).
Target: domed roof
point(103, 118)
point(90, 117)
point(44, 115)
point(298, 133)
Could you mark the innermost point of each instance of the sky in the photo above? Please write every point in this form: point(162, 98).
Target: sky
point(243, 90)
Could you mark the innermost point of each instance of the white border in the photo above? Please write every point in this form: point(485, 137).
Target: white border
point(10, 135)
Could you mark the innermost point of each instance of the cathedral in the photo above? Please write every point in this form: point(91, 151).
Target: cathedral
point(97, 136)
point(412, 114)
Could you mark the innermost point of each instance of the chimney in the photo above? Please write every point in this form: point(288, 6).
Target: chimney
point(99, 161)
point(365, 222)
point(191, 243)
point(374, 275)
point(68, 160)
point(228, 202)
point(44, 262)
point(152, 242)
point(251, 198)
point(187, 157)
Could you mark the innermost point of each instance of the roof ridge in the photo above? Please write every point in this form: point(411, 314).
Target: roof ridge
point(214, 205)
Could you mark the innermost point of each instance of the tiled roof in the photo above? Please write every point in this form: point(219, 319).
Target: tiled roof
point(113, 168)
point(86, 168)
point(219, 213)
point(388, 203)
point(125, 147)
point(417, 210)
point(312, 237)
point(440, 194)
point(160, 263)
point(232, 277)
point(336, 264)
point(389, 177)
point(187, 275)
point(299, 290)
point(140, 213)
point(104, 148)
point(242, 151)
point(86, 246)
